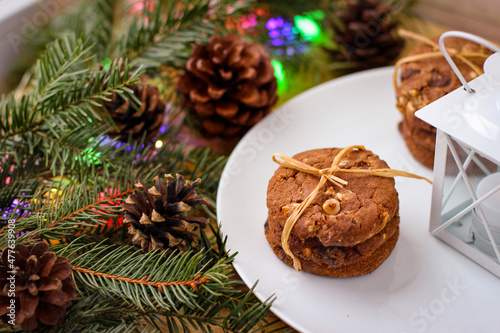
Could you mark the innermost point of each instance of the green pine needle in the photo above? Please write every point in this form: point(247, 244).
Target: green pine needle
point(69, 179)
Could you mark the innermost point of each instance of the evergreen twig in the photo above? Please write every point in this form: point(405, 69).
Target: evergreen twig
point(56, 158)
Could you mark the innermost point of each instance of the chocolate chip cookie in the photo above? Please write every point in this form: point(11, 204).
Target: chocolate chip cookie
point(352, 240)
point(425, 80)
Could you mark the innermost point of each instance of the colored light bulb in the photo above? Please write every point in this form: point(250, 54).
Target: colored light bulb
point(279, 72)
point(307, 27)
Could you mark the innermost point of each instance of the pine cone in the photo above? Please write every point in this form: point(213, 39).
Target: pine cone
point(42, 283)
point(366, 34)
point(229, 84)
point(156, 215)
point(135, 120)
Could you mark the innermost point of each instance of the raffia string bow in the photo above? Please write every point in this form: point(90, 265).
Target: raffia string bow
point(325, 175)
point(436, 53)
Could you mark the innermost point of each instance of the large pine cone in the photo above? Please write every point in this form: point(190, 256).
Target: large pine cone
point(366, 34)
point(156, 215)
point(229, 84)
point(136, 120)
point(35, 286)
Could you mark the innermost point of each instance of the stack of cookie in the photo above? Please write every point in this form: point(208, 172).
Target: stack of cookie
point(427, 79)
point(346, 231)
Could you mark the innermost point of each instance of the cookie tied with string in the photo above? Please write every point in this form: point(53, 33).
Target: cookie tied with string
point(425, 76)
point(333, 212)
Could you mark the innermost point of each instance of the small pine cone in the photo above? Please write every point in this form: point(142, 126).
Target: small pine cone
point(132, 119)
point(229, 84)
point(366, 34)
point(35, 286)
point(155, 216)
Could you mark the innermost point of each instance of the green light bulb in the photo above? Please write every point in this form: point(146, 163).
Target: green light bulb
point(279, 72)
point(307, 27)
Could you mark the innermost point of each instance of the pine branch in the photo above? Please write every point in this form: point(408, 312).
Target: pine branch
point(58, 121)
point(15, 183)
point(171, 50)
point(193, 292)
point(97, 211)
point(97, 314)
point(243, 315)
point(119, 271)
point(122, 328)
point(61, 62)
point(161, 32)
point(158, 21)
point(181, 24)
point(106, 18)
point(69, 209)
point(59, 125)
point(57, 70)
point(96, 20)
point(91, 201)
point(194, 283)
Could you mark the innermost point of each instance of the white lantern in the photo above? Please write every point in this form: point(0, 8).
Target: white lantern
point(465, 206)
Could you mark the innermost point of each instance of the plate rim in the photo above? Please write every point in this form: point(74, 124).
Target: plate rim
point(263, 294)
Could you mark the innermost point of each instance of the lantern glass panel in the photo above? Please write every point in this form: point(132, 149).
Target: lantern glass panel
point(465, 169)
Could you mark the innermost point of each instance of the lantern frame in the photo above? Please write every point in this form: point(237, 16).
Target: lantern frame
point(442, 224)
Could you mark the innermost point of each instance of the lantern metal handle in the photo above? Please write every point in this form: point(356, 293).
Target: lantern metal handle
point(471, 37)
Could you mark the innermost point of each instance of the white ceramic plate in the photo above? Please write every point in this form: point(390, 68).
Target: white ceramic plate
point(424, 286)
